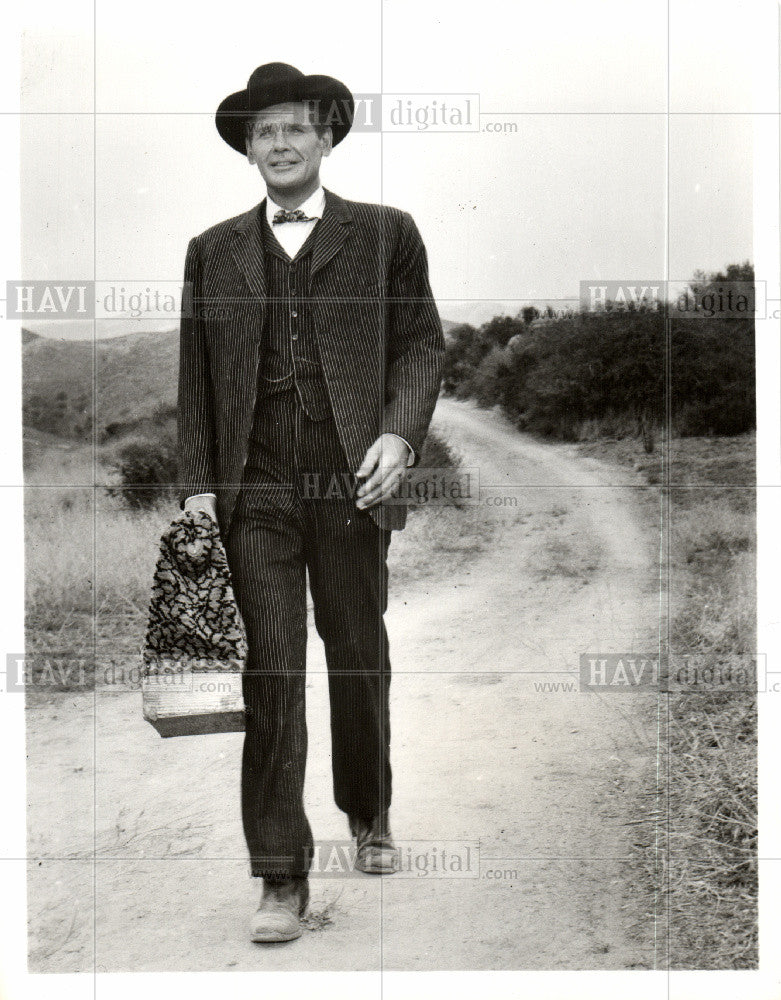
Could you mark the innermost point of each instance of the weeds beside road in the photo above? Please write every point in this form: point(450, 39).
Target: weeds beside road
point(701, 845)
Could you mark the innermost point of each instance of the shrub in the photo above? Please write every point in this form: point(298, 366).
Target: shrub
point(437, 454)
point(557, 377)
point(147, 469)
point(59, 414)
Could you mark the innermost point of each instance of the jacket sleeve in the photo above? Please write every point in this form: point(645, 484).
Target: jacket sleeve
point(195, 409)
point(415, 342)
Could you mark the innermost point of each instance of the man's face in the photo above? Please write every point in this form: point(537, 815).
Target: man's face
point(287, 149)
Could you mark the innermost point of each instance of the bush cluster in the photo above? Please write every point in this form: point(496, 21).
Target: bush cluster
point(59, 413)
point(614, 373)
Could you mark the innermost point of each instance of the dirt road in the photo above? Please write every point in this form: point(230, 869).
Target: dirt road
point(494, 750)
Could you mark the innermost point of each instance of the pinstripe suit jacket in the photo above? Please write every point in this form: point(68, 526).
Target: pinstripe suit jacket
point(378, 331)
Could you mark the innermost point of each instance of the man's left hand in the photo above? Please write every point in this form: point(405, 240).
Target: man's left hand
point(381, 468)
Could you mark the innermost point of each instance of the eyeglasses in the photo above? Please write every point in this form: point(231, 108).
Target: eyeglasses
point(267, 130)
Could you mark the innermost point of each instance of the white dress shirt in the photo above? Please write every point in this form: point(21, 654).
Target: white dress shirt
point(292, 236)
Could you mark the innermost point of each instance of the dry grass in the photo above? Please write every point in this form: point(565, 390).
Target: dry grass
point(437, 543)
point(711, 841)
point(612, 425)
point(84, 553)
point(88, 562)
point(707, 854)
point(692, 464)
point(698, 849)
point(717, 616)
point(317, 918)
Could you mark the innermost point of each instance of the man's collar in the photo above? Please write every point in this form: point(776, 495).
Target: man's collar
point(336, 208)
point(314, 206)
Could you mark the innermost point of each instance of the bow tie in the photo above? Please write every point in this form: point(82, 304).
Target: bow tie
point(296, 215)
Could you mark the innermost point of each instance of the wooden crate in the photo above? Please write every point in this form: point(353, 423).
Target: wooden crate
point(193, 702)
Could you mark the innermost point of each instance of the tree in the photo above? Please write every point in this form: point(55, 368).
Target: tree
point(528, 315)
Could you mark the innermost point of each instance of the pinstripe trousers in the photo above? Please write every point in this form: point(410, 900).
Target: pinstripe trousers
point(295, 514)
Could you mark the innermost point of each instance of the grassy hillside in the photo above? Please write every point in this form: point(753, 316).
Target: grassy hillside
point(131, 377)
point(134, 376)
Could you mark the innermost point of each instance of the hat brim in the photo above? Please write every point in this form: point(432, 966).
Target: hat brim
point(234, 112)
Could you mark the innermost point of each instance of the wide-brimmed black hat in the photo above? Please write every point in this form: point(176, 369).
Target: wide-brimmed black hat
point(279, 83)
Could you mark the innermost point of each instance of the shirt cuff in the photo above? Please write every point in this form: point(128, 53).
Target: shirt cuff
point(200, 496)
point(411, 458)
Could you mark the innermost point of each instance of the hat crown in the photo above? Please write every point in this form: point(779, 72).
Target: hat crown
point(281, 77)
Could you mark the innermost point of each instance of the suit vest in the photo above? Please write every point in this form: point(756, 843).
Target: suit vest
point(290, 358)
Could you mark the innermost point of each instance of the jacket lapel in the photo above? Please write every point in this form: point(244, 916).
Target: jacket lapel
point(333, 230)
point(247, 250)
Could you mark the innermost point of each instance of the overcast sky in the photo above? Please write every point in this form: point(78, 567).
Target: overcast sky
point(585, 188)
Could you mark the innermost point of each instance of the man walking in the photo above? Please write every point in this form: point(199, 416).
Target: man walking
point(309, 370)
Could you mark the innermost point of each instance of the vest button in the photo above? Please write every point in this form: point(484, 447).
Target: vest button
point(294, 314)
